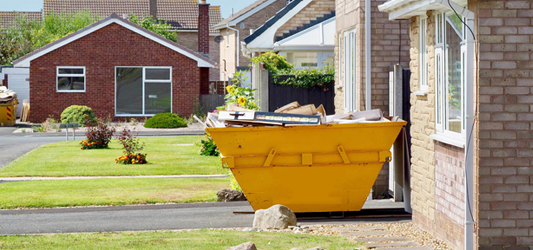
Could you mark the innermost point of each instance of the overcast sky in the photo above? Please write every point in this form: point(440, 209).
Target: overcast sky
point(37, 5)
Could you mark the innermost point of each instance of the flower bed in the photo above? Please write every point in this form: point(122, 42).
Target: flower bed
point(132, 159)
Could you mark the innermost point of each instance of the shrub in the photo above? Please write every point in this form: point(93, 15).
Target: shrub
point(209, 148)
point(131, 144)
point(98, 135)
point(78, 114)
point(165, 120)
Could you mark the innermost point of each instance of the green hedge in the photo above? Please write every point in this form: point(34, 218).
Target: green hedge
point(165, 120)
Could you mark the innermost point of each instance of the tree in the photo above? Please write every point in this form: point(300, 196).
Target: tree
point(159, 27)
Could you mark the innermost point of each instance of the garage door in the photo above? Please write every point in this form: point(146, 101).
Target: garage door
point(18, 81)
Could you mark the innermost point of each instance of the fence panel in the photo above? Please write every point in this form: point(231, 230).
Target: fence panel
point(281, 95)
point(211, 102)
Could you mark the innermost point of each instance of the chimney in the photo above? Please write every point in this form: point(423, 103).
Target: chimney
point(203, 27)
point(153, 9)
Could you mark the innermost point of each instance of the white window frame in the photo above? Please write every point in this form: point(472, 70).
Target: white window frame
point(441, 85)
point(423, 55)
point(350, 80)
point(339, 67)
point(144, 88)
point(71, 75)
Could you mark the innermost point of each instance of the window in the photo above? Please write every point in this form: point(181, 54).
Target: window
point(70, 79)
point(303, 59)
point(450, 50)
point(423, 52)
point(143, 90)
point(350, 89)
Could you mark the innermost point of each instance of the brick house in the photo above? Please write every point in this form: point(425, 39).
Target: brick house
point(471, 174)
point(234, 29)
point(181, 15)
point(117, 68)
point(389, 45)
point(7, 18)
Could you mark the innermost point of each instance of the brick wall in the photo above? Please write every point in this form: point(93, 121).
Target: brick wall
point(203, 28)
point(505, 124)
point(314, 10)
point(190, 40)
point(100, 52)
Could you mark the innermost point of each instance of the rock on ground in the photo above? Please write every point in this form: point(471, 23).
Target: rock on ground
point(226, 195)
point(244, 246)
point(275, 217)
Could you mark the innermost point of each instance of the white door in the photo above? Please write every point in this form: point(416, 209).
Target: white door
point(18, 80)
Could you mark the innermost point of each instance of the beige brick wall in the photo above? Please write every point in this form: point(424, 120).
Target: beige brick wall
point(190, 40)
point(505, 124)
point(314, 10)
point(253, 22)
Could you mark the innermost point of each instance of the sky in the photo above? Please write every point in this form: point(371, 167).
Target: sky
point(37, 5)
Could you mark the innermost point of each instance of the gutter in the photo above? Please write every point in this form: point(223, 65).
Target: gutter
point(238, 47)
point(368, 54)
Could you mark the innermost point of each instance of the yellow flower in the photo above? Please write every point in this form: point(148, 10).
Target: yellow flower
point(241, 100)
point(230, 88)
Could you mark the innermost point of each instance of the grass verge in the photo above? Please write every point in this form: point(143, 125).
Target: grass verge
point(191, 240)
point(126, 191)
point(166, 156)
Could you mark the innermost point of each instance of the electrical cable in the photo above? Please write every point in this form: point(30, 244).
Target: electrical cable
point(473, 123)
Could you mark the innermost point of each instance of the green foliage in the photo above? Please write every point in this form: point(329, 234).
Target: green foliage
point(304, 78)
point(159, 27)
point(28, 35)
point(55, 27)
point(240, 96)
point(321, 78)
point(274, 63)
point(234, 184)
point(82, 115)
point(208, 146)
point(165, 120)
point(99, 135)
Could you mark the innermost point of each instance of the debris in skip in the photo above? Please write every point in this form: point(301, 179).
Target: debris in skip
point(292, 114)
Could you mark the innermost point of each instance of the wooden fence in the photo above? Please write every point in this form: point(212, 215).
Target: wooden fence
point(279, 95)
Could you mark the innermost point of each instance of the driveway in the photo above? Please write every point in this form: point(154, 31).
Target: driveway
point(14, 145)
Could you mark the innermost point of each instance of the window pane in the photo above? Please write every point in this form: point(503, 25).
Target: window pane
point(157, 96)
point(438, 88)
point(303, 59)
point(70, 71)
point(129, 91)
point(71, 83)
point(454, 38)
point(157, 74)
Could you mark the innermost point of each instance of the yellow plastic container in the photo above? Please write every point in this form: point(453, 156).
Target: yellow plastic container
point(307, 168)
point(8, 113)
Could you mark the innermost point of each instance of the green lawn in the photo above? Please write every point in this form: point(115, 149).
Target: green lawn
point(201, 240)
point(166, 156)
point(125, 191)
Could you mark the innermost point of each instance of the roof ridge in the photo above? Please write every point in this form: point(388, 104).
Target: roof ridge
point(306, 26)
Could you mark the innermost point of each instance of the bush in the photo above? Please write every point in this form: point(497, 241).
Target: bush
point(165, 120)
point(98, 135)
point(78, 114)
point(131, 144)
point(209, 148)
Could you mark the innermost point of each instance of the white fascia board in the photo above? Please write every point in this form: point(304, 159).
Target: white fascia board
point(404, 9)
point(317, 35)
point(266, 39)
point(201, 62)
point(305, 47)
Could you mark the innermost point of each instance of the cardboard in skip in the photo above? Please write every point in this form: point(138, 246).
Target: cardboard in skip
point(287, 118)
point(236, 115)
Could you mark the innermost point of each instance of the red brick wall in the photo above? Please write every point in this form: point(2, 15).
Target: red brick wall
point(100, 52)
point(203, 28)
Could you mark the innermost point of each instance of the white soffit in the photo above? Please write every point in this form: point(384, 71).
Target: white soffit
point(241, 18)
point(405, 9)
point(320, 36)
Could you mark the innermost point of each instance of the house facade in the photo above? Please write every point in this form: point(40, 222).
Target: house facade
point(234, 29)
point(471, 120)
point(389, 45)
point(117, 68)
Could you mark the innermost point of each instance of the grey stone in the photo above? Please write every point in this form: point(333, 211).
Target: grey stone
point(393, 244)
point(364, 233)
point(378, 239)
point(275, 217)
point(344, 229)
point(244, 246)
point(226, 195)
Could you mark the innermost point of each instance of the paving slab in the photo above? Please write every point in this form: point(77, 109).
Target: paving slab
point(380, 239)
point(393, 244)
point(368, 233)
point(344, 229)
point(406, 248)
